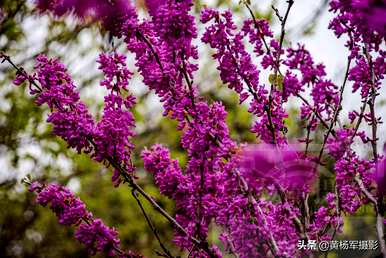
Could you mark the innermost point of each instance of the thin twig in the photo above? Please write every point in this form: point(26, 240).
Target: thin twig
point(315, 111)
point(338, 108)
point(258, 28)
point(379, 207)
point(155, 232)
point(277, 62)
point(147, 42)
point(252, 202)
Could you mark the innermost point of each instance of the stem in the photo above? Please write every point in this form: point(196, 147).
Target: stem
point(258, 28)
point(252, 202)
point(155, 232)
point(158, 60)
point(338, 108)
point(253, 93)
point(378, 205)
point(308, 141)
point(129, 179)
point(282, 34)
point(277, 66)
point(379, 217)
point(336, 113)
point(19, 70)
point(360, 119)
point(315, 112)
point(337, 204)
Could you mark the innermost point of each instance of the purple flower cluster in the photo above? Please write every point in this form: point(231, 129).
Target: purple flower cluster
point(324, 93)
point(71, 211)
point(97, 237)
point(173, 24)
point(257, 227)
point(170, 76)
point(112, 14)
point(167, 173)
point(241, 75)
point(324, 218)
point(69, 115)
point(109, 139)
point(380, 176)
point(195, 192)
point(266, 165)
point(347, 169)
point(235, 64)
point(113, 132)
point(153, 5)
point(338, 146)
point(364, 25)
point(361, 17)
point(170, 31)
point(363, 22)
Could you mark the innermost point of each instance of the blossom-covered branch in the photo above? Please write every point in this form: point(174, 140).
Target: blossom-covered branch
point(71, 211)
point(258, 195)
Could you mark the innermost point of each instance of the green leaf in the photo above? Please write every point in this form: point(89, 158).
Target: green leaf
point(276, 81)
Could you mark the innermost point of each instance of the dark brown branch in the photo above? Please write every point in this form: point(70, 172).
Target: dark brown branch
point(155, 232)
point(251, 203)
point(379, 207)
point(258, 28)
point(140, 36)
point(338, 108)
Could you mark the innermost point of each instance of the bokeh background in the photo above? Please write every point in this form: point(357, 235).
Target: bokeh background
point(27, 146)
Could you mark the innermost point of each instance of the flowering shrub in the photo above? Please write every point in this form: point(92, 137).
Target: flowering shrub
point(258, 195)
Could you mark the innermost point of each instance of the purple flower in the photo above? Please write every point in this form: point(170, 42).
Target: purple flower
point(380, 176)
point(167, 173)
point(154, 5)
point(338, 146)
point(71, 211)
point(264, 164)
point(114, 67)
point(373, 14)
point(97, 237)
point(68, 208)
point(361, 76)
point(70, 117)
point(173, 24)
point(75, 126)
point(362, 20)
point(241, 75)
point(20, 78)
point(323, 218)
point(346, 169)
point(58, 86)
point(112, 133)
point(112, 14)
point(291, 85)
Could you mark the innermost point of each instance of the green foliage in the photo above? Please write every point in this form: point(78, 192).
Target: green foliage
point(276, 80)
